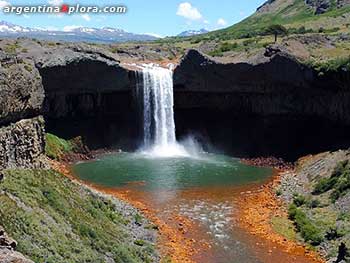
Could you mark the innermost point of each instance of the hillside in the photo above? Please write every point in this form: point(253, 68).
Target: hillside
point(56, 220)
point(316, 33)
point(328, 16)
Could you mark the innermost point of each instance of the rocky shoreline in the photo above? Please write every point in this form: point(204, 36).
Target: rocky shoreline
point(273, 162)
point(267, 212)
point(256, 210)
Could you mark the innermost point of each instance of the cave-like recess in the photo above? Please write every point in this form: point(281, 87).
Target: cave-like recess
point(278, 108)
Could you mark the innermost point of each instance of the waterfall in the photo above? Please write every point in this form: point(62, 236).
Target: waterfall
point(155, 92)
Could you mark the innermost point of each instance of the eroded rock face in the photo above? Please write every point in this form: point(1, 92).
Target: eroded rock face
point(76, 86)
point(21, 90)
point(88, 94)
point(21, 98)
point(261, 108)
point(278, 86)
point(22, 144)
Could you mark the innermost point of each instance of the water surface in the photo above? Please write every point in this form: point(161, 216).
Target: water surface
point(203, 188)
point(171, 173)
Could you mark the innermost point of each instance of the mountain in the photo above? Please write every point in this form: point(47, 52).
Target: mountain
point(76, 34)
point(315, 15)
point(189, 33)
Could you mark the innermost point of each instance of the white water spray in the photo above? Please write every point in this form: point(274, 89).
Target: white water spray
point(155, 87)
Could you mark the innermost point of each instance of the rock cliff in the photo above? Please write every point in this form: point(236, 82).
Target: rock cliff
point(262, 104)
point(270, 105)
point(277, 84)
point(21, 124)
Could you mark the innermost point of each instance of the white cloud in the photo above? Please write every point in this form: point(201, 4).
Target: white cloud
point(241, 13)
point(70, 28)
point(206, 22)
point(86, 17)
point(26, 16)
point(188, 11)
point(3, 4)
point(221, 22)
point(55, 2)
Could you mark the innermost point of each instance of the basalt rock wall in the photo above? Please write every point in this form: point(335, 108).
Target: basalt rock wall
point(272, 106)
point(89, 94)
point(21, 124)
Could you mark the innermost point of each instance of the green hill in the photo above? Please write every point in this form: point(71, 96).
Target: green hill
point(293, 14)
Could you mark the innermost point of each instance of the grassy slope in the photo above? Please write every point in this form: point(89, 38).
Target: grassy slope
point(56, 220)
point(292, 16)
point(315, 214)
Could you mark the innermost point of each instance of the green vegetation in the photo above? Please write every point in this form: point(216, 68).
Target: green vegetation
point(57, 221)
point(284, 227)
point(11, 47)
point(305, 226)
point(56, 147)
point(224, 47)
point(338, 182)
point(336, 64)
point(290, 15)
point(299, 200)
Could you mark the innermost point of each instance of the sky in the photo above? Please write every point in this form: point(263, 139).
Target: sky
point(158, 17)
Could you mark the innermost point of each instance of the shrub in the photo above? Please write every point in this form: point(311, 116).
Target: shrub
point(303, 224)
point(334, 233)
point(139, 242)
point(314, 203)
point(324, 185)
point(292, 211)
point(138, 219)
point(224, 47)
point(86, 231)
point(339, 182)
point(299, 200)
point(342, 186)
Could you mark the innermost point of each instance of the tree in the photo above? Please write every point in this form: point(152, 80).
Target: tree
point(276, 30)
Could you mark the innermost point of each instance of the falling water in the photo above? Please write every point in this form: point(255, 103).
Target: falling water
point(155, 87)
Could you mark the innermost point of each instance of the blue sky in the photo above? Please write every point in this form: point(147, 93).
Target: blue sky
point(161, 17)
